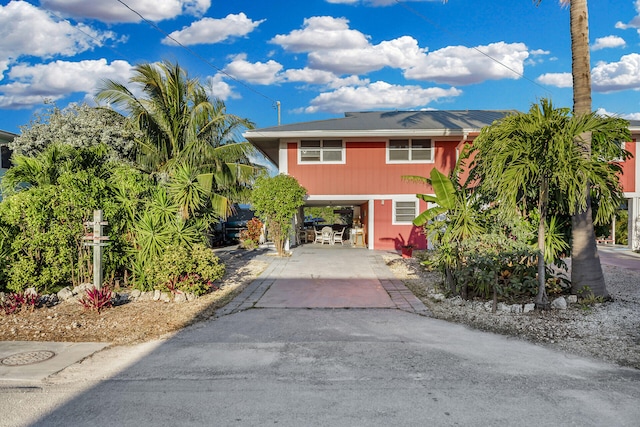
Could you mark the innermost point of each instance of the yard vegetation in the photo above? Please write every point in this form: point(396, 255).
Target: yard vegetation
point(503, 232)
point(164, 167)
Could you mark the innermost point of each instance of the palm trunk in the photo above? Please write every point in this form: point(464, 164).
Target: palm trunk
point(585, 263)
point(542, 302)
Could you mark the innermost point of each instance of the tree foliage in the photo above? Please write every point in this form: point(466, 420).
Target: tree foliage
point(277, 199)
point(529, 161)
point(78, 126)
point(186, 134)
point(43, 221)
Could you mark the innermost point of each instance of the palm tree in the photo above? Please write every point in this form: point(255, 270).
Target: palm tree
point(182, 125)
point(586, 271)
point(532, 157)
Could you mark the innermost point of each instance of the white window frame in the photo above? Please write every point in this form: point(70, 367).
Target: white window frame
point(411, 150)
point(322, 150)
point(416, 211)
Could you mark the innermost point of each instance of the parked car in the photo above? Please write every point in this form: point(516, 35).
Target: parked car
point(237, 222)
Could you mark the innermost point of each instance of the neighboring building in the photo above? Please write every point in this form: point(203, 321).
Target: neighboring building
point(631, 184)
point(5, 153)
point(359, 161)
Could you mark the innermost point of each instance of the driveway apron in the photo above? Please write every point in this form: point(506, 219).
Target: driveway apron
point(317, 276)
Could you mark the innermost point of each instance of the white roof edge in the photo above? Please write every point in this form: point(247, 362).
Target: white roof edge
point(357, 133)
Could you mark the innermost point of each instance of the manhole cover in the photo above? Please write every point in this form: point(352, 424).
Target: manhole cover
point(27, 358)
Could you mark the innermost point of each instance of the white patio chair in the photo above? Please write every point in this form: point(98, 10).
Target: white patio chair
point(337, 236)
point(326, 235)
point(318, 236)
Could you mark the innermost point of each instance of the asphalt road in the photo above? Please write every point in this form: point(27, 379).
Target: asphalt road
point(328, 366)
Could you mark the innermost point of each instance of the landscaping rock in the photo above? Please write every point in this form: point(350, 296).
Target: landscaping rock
point(572, 299)
point(156, 295)
point(65, 294)
point(180, 297)
point(457, 301)
point(516, 308)
point(528, 308)
point(438, 297)
point(559, 304)
point(84, 287)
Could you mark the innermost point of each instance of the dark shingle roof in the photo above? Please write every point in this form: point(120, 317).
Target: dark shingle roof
point(435, 120)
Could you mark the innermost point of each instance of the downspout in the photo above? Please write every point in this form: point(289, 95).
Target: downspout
point(461, 144)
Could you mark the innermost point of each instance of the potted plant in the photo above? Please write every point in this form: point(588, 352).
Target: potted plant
point(407, 251)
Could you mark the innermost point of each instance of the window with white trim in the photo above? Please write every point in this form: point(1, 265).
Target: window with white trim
point(404, 211)
point(409, 151)
point(321, 151)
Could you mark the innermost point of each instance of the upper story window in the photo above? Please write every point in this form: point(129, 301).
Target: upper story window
point(321, 151)
point(410, 151)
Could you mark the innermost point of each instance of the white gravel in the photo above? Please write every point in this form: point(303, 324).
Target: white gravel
point(607, 331)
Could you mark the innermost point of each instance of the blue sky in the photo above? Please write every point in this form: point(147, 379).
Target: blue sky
point(319, 58)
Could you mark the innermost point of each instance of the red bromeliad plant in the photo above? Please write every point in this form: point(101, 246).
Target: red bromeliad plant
point(16, 301)
point(97, 299)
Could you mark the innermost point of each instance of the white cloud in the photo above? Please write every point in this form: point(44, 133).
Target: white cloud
point(31, 84)
point(321, 77)
point(378, 95)
point(605, 76)
point(402, 53)
point(615, 76)
point(263, 73)
point(332, 46)
point(26, 30)
point(114, 11)
point(537, 52)
point(630, 116)
point(556, 79)
point(465, 65)
point(210, 30)
point(218, 88)
point(634, 23)
point(322, 33)
point(608, 42)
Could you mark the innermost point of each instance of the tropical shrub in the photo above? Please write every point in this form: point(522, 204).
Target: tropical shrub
point(250, 238)
point(183, 269)
point(42, 222)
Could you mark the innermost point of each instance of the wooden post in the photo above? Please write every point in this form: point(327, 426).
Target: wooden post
point(613, 230)
point(98, 240)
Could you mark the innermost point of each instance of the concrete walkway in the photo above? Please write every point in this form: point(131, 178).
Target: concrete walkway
point(620, 256)
point(271, 358)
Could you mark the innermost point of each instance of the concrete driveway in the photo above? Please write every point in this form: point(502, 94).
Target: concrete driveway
point(275, 359)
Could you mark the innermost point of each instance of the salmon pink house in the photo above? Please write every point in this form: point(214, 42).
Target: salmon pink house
point(358, 161)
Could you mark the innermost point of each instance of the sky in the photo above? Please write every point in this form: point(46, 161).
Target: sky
point(319, 58)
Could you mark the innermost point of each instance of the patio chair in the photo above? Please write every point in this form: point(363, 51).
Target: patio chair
point(318, 236)
point(326, 235)
point(337, 236)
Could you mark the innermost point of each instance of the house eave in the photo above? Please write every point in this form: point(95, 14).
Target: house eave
point(377, 133)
